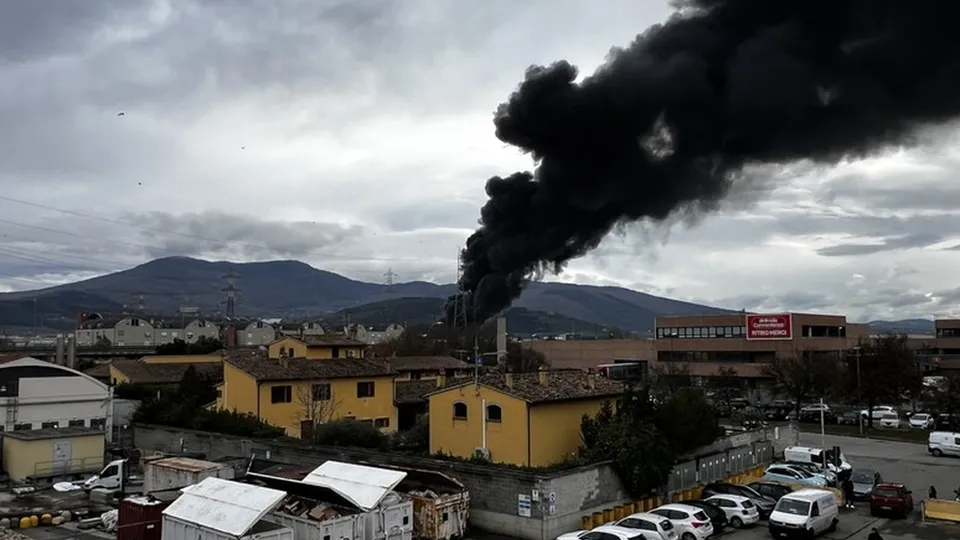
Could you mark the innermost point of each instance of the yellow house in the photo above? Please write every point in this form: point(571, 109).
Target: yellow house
point(149, 374)
point(410, 368)
point(523, 419)
point(297, 393)
point(183, 358)
point(316, 347)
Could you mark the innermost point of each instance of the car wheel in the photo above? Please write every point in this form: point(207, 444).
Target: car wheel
point(736, 523)
point(937, 452)
point(688, 536)
point(833, 526)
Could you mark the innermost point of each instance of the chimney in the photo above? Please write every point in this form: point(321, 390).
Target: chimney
point(441, 381)
point(543, 376)
point(387, 363)
point(508, 379)
point(58, 359)
point(71, 351)
point(501, 340)
point(592, 381)
point(283, 359)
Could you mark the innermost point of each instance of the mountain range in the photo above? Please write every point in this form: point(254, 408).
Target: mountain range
point(292, 289)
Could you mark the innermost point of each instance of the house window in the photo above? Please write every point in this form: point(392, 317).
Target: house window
point(351, 353)
point(494, 413)
point(320, 392)
point(259, 324)
point(365, 389)
point(281, 394)
point(459, 411)
point(381, 422)
point(367, 421)
point(99, 423)
point(290, 352)
point(119, 333)
point(134, 322)
point(335, 352)
point(23, 427)
point(50, 425)
point(75, 423)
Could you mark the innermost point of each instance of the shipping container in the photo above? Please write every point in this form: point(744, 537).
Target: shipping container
point(178, 472)
point(218, 509)
point(140, 518)
point(441, 504)
point(392, 519)
point(350, 527)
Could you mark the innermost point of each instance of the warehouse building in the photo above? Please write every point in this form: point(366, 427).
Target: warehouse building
point(40, 455)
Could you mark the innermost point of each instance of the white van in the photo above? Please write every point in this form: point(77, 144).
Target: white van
point(804, 454)
point(944, 443)
point(804, 514)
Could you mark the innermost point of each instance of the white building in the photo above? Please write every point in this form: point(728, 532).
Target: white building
point(371, 335)
point(137, 331)
point(35, 394)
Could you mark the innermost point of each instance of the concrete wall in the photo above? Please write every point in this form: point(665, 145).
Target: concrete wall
point(556, 500)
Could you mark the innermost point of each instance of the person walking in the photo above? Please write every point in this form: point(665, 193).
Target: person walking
point(932, 494)
point(848, 492)
point(874, 535)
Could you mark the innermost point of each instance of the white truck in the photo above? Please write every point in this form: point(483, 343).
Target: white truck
point(159, 474)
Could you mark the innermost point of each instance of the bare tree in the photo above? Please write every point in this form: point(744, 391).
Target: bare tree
point(885, 370)
point(668, 377)
point(317, 406)
point(802, 376)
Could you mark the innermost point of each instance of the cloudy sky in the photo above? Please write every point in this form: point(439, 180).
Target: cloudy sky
point(357, 136)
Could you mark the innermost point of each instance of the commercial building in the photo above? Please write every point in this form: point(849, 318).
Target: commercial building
point(298, 393)
point(44, 454)
point(528, 419)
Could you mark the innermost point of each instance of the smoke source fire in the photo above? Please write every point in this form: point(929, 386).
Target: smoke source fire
point(669, 122)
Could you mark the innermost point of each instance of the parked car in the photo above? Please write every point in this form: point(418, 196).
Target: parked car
point(814, 413)
point(890, 421)
point(877, 412)
point(892, 499)
point(717, 516)
point(649, 524)
point(739, 510)
point(608, 532)
point(814, 468)
point(849, 418)
point(774, 490)
point(805, 514)
point(764, 504)
point(864, 481)
point(922, 421)
point(690, 522)
point(780, 473)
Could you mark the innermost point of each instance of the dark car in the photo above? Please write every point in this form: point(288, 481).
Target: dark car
point(717, 517)
point(849, 418)
point(864, 480)
point(771, 489)
point(764, 504)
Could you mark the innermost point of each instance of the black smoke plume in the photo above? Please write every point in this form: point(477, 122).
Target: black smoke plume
point(668, 123)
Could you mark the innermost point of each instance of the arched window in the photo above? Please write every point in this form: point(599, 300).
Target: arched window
point(459, 411)
point(494, 413)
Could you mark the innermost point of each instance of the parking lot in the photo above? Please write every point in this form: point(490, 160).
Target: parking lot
point(906, 463)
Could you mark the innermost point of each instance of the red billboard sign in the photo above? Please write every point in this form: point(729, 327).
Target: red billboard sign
point(769, 327)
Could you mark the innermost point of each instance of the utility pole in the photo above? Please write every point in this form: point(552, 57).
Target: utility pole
point(389, 274)
point(231, 299)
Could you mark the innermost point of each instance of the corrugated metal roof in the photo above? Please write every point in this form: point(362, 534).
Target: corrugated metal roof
point(363, 486)
point(224, 506)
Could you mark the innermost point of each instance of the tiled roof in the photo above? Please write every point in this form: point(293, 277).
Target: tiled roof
point(99, 371)
point(409, 392)
point(142, 373)
point(416, 363)
point(330, 340)
point(561, 386)
point(257, 365)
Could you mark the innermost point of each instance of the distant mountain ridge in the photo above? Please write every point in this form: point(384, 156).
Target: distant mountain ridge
point(293, 289)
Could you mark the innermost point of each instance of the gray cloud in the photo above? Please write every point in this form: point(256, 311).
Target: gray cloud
point(894, 243)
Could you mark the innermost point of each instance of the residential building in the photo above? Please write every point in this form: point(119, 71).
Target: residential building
point(748, 342)
point(213, 358)
point(141, 331)
point(35, 394)
point(522, 419)
point(371, 335)
point(416, 376)
point(245, 333)
point(161, 375)
point(297, 393)
point(295, 329)
point(316, 347)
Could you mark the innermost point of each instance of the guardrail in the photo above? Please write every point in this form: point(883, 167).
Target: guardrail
point(940, 510)
point(66, 467)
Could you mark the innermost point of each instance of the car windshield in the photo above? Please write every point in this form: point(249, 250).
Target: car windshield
point(863, 477)
point(886, 492)
point(921, 417)
point(790, 506)
point(890, 416)
point(802, 473)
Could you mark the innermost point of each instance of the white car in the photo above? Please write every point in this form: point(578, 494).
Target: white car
point(878, 412)
point(650, 525)
point(690, 522)
point(608, 532)
point(738, 509)
point(890, 421)
point(922, 421)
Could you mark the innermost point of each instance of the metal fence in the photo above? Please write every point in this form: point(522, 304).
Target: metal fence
point(719, 466)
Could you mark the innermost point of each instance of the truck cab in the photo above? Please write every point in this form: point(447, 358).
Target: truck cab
point(112, 476)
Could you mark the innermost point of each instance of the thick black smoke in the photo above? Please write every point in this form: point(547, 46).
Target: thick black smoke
point(669, 122)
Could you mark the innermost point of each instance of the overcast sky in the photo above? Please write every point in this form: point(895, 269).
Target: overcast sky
point(357, 136)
